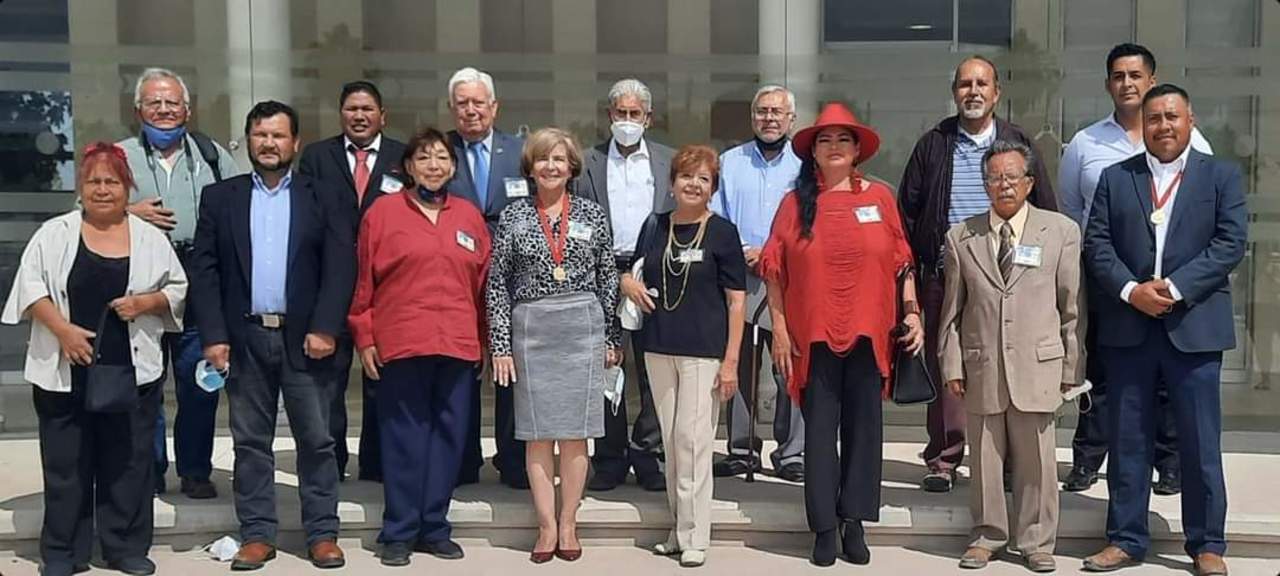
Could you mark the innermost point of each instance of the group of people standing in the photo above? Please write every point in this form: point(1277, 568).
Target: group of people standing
point(477, 256)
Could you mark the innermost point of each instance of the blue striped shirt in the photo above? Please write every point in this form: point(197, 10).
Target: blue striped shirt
point(968, 195)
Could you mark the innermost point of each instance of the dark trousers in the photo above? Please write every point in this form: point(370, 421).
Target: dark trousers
point(614, 454)
point(788, 419)
point(97, 470)
point(509, 459)
point(260, 374)
point(1089, 445)
point(425, 408)
point(1192, 379)
point(197, 410)
point(842, 402)
point(946, 415)
point(335, 382)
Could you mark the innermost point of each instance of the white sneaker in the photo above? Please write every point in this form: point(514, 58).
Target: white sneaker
point(693, 558)
point(666, 549)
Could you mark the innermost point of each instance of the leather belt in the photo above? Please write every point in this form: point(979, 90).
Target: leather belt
point(270, 321)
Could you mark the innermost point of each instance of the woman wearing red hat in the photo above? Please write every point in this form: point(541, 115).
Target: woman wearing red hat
point(831, 264)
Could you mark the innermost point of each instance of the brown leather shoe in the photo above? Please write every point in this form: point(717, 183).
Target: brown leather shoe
point(1210, 564)
point(1041, 562)
point(326, 554)
point(253, 556)
point(976, 557)
point(1110, 559)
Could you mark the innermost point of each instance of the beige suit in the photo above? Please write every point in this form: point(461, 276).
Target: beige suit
point(1013, 344)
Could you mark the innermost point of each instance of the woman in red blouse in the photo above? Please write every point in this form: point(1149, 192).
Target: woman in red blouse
point(831, 262)
point(416, 318)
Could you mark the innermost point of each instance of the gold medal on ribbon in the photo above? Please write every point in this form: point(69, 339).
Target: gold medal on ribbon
point(559, 274)
point(1157, 216)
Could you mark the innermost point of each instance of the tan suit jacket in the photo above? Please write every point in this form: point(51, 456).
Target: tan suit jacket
point(1015, 342)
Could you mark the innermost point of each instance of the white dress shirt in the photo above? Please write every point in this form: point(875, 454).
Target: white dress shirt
point(1163, 175)
point(43, 273)
point(630, 187)
point(370, 160)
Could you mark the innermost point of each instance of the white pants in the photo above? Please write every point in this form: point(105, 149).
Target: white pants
point(688, 406)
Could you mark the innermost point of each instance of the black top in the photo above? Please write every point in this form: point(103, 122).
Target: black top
point(94, 282)
point(698, 326)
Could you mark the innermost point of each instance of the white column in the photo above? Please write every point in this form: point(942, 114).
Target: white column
point(790, 33)
point(573, 40)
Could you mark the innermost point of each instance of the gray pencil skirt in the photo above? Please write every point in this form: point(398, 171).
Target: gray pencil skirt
point(558, 344)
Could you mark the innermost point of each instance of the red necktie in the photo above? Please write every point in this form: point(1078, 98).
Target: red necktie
point(361, 172)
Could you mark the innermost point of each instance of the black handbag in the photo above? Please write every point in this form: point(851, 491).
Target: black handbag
point(911, 380)
point(109, 388)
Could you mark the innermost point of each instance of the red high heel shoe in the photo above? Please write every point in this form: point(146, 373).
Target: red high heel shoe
point(542, 557)
point(568, 555)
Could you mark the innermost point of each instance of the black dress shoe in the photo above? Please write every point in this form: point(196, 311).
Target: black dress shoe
point(653, 483)
point(446, 549)
point(603, 482)
point(137, 566)
point(159, 486)
point(1168, 484)
point(396, 554)
point(824, 548)
point(59, 569)
point(854, 543)
point(938, 481)
point(1079, 480)
point(734, 466)
point(793, 472)
point(199, 488)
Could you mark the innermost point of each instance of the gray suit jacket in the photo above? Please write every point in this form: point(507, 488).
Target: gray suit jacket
point(1026, 330)
point(593, 183)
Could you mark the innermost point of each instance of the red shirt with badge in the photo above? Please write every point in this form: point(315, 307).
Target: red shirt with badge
point(420, 286)
point(840, 283)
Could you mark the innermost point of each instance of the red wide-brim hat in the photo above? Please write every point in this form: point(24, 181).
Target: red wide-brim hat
point(837, 114)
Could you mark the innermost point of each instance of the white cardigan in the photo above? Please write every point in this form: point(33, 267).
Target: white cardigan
point(43, 272)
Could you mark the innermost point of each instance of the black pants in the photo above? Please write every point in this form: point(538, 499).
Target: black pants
point(260, 374)
point(842, 401)
point(614, 454)
point(788, 422)
point(98, 469)
point(336, 383)
point(1089, 445)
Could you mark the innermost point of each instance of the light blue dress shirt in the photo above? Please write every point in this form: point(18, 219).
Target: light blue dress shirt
point(1091, 151)
point(751, 188)
point(269, 217)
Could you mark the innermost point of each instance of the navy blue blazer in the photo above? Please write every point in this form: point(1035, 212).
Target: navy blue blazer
point(326, 161)
point(1205, 241)
point(321, 265)
point(504, 162)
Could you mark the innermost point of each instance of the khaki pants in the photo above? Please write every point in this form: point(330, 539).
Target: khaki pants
point(688, 411)
point(1026, 441)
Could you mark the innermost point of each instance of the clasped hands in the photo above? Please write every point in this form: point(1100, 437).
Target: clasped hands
point(1153, 297)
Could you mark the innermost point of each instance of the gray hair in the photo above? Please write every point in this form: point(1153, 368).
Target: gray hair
point(468, 75)
point(156, 74)
point(772, 89)
point(995, 72)
point(1004, 147)
point(631, 87)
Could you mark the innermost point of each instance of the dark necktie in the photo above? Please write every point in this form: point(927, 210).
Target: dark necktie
point(1005, 257)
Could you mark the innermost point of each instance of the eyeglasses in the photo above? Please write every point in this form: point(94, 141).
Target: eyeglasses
point(767, 113)
point(632, 115)
point(1001, 179)
point(159, 104)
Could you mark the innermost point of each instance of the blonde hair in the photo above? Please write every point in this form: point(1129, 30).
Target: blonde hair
point(540, 144)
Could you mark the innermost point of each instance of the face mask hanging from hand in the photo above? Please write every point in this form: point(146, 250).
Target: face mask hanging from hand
point(627, 133)
point(163, 138)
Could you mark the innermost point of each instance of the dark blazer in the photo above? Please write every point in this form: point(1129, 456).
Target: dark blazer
point(504, 162)
point(593, 183)
point(1205, 242)
point(924, 193)
point(326, 161)
point(321, 266)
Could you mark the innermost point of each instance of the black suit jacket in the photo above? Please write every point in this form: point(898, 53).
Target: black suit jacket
point(326, 161)
point(1204, 243)
point(504, 162)
point(321, 265)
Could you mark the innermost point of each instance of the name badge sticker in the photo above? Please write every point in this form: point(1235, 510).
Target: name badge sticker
point(690, 256)
point(867, 214)
point(516, 187)
point(1027, 256)
point(580, 231)
point(466, 241)
point(390, 184)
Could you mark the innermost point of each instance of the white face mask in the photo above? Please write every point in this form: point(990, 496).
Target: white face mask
point(627, 133)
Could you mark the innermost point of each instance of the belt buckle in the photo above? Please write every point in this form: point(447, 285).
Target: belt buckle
point(272, 321)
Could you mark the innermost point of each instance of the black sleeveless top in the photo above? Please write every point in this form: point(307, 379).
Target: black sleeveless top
point(94, 282)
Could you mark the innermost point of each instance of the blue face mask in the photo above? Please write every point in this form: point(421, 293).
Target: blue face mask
point(432, 196)
point(162, 138)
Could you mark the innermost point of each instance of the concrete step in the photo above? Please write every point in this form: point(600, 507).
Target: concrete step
point(766, 508)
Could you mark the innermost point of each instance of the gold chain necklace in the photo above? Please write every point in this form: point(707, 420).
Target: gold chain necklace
point(670, 260)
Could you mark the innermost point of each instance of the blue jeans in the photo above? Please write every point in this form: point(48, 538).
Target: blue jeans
point(197, 409)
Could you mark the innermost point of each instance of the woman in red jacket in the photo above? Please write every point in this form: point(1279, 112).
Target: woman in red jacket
point(416, 317)
point(831, 262)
